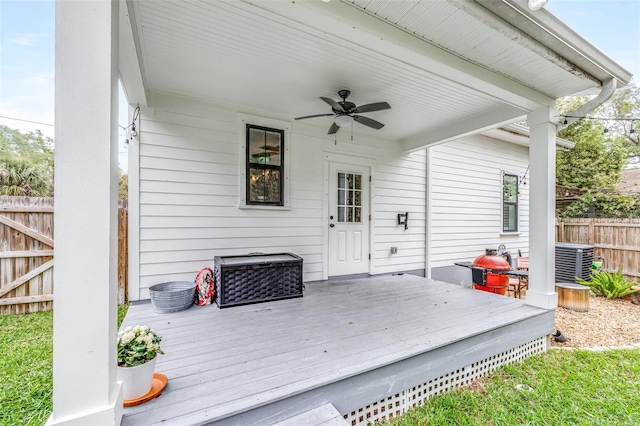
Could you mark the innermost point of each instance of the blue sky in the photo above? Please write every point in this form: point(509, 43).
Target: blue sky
point(27, 51)
point(613, 26)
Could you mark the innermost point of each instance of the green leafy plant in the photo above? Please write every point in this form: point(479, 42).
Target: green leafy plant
point(137, 345)
point(609, 285)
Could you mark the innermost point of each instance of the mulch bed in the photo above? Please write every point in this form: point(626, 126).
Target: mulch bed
point(608, 323)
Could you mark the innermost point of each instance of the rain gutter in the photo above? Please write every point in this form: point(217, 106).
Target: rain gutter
point(608, 89)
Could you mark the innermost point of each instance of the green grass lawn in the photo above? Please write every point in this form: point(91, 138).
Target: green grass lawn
point(26, 351)
point(26, 376)
point(567, 388)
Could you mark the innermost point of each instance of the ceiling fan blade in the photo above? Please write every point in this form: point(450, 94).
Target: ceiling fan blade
point(368, 122)
point(333, 104)
point(311, 116)
point(333, 129)
point(378, 106)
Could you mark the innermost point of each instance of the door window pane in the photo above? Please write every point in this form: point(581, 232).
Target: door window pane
point(349, 197)
point(342, 197)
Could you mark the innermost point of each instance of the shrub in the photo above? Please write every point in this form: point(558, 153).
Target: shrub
point(609, 285)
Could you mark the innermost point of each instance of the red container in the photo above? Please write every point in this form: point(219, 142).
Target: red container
point(496, 283)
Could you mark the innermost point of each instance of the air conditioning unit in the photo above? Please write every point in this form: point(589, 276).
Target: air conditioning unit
point(573, 260)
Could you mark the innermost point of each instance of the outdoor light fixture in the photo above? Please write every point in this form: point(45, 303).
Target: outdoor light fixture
point(342, 121)
point(536, 5)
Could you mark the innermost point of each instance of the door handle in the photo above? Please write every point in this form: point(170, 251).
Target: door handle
point(331, 225)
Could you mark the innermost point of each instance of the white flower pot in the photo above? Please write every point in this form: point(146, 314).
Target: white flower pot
point(137, 381)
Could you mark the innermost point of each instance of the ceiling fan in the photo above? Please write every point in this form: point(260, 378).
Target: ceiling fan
point(345, 111)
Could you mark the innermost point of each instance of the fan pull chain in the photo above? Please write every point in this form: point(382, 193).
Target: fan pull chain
point(352, 129)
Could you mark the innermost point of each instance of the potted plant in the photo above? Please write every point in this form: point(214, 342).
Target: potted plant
point(137, 351)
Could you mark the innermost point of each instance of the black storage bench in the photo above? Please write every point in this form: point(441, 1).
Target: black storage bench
point(254, 278)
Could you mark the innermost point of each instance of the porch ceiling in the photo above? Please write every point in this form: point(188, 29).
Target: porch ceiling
point(280, 57)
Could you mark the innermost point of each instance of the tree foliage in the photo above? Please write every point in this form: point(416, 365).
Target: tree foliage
point(123, 185)
point(594, 165)
point(624, 106)
point(20, 177)
point(26, 164)
point(596, 161)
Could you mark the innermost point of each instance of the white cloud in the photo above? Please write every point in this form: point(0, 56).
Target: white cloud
point(22, 39)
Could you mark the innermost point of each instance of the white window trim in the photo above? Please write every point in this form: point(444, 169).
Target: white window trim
point(502, 231)
point(243, 120)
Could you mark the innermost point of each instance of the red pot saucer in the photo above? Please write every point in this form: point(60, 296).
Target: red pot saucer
point(157, 386)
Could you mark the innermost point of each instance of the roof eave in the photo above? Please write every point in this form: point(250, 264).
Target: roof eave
point(559, 37)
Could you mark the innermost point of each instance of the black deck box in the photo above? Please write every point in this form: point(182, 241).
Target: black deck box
point(254, 278)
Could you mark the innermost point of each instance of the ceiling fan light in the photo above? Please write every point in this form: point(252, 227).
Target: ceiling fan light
point(342, 121)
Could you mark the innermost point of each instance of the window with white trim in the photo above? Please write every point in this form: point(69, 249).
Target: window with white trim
point(264, 166)
point(509, 202)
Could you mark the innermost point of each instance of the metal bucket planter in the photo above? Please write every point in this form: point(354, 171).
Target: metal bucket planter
point(172, 296)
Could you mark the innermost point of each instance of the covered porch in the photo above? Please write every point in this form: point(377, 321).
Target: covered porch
point(192, 71)
point(371, 347)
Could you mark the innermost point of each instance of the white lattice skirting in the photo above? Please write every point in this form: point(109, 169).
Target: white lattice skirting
point(399, 403)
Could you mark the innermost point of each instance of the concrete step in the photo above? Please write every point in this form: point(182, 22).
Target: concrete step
point(325, 415)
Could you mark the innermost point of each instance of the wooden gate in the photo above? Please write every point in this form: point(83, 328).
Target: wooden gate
point(26, 254)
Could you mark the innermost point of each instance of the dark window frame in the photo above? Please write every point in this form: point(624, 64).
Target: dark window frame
point(506, 203)
point(259, 166)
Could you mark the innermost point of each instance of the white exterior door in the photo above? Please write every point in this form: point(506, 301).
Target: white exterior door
point(348, 219)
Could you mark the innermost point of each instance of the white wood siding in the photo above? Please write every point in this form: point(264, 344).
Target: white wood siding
point(466, 187)
point(400, 187)
point(189, 162)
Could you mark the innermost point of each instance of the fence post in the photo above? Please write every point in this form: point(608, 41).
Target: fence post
point(560, 231)
point(592, 233)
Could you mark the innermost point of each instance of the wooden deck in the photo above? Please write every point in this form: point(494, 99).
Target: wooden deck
point(344, 343)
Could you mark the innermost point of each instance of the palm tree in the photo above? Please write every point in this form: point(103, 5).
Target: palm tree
point(19, 177)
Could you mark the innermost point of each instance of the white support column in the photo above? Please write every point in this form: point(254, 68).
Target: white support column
point(428, 215)
point(85, 386)
point(542, 206)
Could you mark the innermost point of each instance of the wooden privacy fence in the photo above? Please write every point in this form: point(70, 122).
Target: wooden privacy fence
point(615, 240)
point(27, 254)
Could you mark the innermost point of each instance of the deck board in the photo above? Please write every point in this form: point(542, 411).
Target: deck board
point(221, 362)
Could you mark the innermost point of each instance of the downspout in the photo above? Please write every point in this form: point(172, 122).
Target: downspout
point(608, 88)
